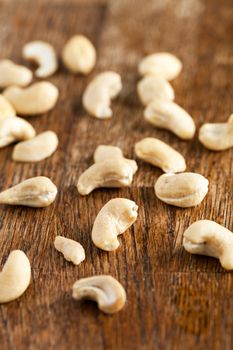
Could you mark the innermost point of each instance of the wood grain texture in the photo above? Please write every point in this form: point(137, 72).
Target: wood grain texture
point(175, 300)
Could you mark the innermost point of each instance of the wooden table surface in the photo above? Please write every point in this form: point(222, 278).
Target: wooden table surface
point(175, 300)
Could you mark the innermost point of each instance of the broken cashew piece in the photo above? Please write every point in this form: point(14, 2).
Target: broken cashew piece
point(6, 109)
point(15, 129)
point(79, 55)
point(99, 92)
point(116, 216)
point(35, 192)
point(104, 289)
point(36, 99)
point(44, 55)
point(217, 136)
point(168, 115)
point(181, 190)
point(13, 74)
point(72, 250)
point(40, 147)
point(15, 276)
point(161, 155)
point(206, 237)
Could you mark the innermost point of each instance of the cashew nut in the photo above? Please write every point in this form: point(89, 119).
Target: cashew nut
point(168, 115)
point(163, 64)
point(113, 171)
point(6, 109)
point(105, 290)
point(182, 190)
point(72, 250)
point(98, 94)
point(15, 129)
point(15, 276)
point(206, 237)
point(40, 147)
point(14, 74)
point(116, 216)
point(36, 99)
point(44, 55)
point(79, 54)
point(217, 136)
point(159, 154)
point(152, 86)
point(35, 192)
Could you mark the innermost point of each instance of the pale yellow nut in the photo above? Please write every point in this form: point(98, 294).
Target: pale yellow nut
point(161, 155)
point(217, 136)
point(36, 99)
point(15, 276)
point(40, 147)
point(99, 93)
point(6, 109)
point(206, 237)
point(162, 64)
point(44, 55)
point(79, 55)
point(104, 289)
point(181, 190)
point(13, 74)
point(168, 115)
point(35, 192)
point(72, 250)
point(152, 86)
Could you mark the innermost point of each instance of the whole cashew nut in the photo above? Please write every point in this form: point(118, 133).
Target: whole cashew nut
point(72, 250)
point(13, 74)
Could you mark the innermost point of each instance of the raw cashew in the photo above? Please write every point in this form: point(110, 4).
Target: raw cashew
point(40, 147)
point(206, 237)
point(79, 54)
point(217, 136)
point(6, 109)
point(116, 216)
point(44, 55)
point(162, 64)
point(72, 250)
point(14, 74)
point(105, 290)
point(36, 99)
point(182, 190)
point(98, 94)
point(35, 192)
point(159, 154)
point(15, 129)
point(152, 86)
point(168, 115)
point(15, 276)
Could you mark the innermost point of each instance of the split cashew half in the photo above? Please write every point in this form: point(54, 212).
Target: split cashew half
point(6, 109)
point(104, 289)
point(206, 237)
point(13, 74)
point(116, 216)
point(72, 250)
point(15, 276)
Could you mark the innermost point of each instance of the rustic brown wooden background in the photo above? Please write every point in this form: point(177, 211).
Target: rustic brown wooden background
point(175, 300)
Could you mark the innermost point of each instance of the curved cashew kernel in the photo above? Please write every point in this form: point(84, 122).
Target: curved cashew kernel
point(72, 250)
point(206, 237)
point(15, 276)
point(6, 109)
point(79, 54)
point(15, 129)
point(36, 99)
point(14, 74)
point(163, 64)
point(44, 55)
point(217, 136)
point(99, 92)
point(105, 290)
point(182, 190)
point(168, 115)
point(35, 192)
point(40, 147)
point(159, 154)
point(116, 216)
point(152, 86)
